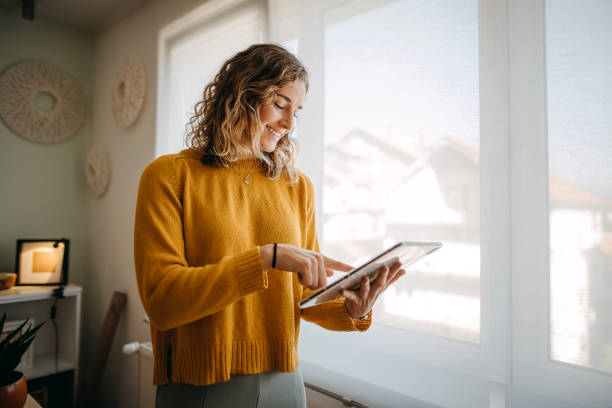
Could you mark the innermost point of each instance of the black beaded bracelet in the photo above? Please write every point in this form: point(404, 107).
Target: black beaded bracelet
point(274, 257)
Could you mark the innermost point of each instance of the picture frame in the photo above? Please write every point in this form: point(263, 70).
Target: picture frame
point(42, 261)
point(28, 357)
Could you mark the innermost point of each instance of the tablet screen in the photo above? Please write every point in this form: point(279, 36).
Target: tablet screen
point(406, 252)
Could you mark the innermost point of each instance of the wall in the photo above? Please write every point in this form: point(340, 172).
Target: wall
point(43, 190)
point(42, 186)
point(110, 219)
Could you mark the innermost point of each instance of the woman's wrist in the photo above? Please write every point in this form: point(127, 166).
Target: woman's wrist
point(356, 319)
point(362, 318)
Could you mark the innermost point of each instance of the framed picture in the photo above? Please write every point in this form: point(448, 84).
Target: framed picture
point(42, 261)
point(26, 359)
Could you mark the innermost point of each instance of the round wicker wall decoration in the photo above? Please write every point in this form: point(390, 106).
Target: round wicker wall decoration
point(129, 92)
point(98, 171)
point(41, 102)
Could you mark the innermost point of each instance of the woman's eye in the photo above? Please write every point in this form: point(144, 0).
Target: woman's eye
point(295, 115)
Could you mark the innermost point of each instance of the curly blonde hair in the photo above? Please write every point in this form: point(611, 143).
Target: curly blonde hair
point(226, 119)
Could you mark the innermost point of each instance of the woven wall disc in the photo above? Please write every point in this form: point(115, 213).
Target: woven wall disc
point(41, 102)
point(98, 171)
point(129, 92)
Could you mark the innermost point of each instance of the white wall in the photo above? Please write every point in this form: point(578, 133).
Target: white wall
point(42, 186)
point(110, 219)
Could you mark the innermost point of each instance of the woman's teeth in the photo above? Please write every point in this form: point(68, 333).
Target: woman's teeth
point(274, 132)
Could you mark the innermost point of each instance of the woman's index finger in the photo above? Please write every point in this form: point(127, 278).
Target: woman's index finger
point(336, 265)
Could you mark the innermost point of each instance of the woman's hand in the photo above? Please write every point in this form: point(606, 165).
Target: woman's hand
point(359, 302)
point(312, 268)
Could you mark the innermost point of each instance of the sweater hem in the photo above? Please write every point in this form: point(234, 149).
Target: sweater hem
point(217, 363)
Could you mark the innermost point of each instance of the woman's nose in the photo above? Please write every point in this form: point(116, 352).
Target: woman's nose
point(288, 120)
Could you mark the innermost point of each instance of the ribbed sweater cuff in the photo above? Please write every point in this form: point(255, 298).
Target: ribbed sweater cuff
point(250, 271)
point(345, 320)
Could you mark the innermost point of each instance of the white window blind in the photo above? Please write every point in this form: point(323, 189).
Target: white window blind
point(559, 76)
point(192, 52)
point(394, 111)
point(579, 85)
point(402, 154)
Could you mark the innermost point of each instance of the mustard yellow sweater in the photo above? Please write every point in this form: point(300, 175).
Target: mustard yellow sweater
point(197, 238)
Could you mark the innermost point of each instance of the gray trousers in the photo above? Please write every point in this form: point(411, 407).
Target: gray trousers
point(270, 389)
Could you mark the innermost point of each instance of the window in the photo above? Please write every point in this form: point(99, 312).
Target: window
point(579, 63)
point(559, 77)
point(452, 121)
point(394, 110)
point(402, 154)
point(192, 52)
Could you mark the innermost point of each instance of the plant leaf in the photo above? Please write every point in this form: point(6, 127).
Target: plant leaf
point(11, 352)
point(30, 333)
point(13, 334)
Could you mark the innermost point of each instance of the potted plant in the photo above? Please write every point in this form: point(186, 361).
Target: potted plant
point(13, 386)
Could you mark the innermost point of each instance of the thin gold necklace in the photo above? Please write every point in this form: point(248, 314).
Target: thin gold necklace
point(246, 178)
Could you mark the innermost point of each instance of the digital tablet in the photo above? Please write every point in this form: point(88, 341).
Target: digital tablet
point(406, 252)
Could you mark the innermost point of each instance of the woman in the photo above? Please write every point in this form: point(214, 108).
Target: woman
point(225, 245)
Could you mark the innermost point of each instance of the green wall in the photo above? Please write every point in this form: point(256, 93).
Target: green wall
point(43, 186)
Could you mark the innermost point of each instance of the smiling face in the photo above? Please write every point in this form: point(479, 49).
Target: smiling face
point(278, 114)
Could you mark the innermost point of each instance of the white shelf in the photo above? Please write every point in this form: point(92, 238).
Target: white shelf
point(35, 302)
point(45, 365)
point(29, 293)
